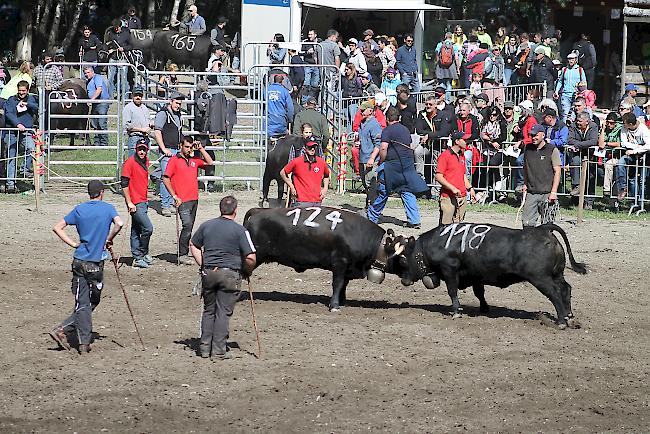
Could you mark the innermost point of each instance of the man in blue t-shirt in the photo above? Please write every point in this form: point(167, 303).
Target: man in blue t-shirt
point(98, 90)
point(93, 221)
point(396, 172)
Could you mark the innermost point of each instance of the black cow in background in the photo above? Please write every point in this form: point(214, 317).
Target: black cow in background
point(71, 90)
point(182, 49)
point(277, 157)
point(350, 246)
point(468, 254)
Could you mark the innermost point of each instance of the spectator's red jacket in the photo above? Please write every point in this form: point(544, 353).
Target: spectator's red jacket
point(470, 126)
point(379, 115)
point(528, 126)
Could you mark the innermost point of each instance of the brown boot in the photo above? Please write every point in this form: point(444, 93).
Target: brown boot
point(84, 348)
point(58, 335)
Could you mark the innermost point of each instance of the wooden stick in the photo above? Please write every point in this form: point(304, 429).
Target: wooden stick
point(257, 332)
point(581, 197)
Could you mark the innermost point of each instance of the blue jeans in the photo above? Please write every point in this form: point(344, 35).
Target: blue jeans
point(446, 83)
point(566, 99)
point(112, 78)
point(100, 124)
point(14, 139)
point(408, 200)
point(141, 230)
point(352, 110)
point(412, 81)
point(312, 79)
point(621, 170)
point(166, 199)
point(507, 73)
point(519, 172)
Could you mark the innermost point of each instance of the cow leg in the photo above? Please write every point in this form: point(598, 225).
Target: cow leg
point(280, 183)
point(71, 139)
point(339, 284)
point(564, 289)
point(342, 297)
point(552, 291)
point(479, 292)
point(451, 280)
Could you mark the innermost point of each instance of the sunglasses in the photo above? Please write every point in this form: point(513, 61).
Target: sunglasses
point(429, 104)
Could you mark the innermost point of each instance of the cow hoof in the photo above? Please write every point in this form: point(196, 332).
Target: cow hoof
point(456, 315)
point(561, 326)
point(335, 309)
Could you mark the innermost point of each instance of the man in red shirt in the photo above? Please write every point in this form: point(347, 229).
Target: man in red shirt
point(310, 177)
point(181, 180)
point(135, 182)
point(452, 176)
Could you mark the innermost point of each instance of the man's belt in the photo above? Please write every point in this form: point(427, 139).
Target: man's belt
point(225, 269)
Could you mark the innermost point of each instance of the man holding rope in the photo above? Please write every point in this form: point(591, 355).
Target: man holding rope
point(93, 220)
point(181, 180)
point(225, 252)
point(135, 181)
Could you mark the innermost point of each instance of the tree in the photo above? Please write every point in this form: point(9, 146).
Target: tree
point(72, 29)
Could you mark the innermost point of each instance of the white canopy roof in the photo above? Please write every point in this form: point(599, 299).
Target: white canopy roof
point(374, 5)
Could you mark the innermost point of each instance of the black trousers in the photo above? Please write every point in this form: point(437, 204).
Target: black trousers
point(187, 214)
point(221, 291)
point(87, 283)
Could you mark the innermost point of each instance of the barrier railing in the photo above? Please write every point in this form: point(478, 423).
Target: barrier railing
point(496, 181)
point(257, 52)
point(16, 162)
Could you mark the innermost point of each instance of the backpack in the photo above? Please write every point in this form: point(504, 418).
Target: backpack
point(446, 55)
point(581, 75)
point(584, 56)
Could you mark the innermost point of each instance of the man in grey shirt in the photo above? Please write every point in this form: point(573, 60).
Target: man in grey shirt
point(225, 252)
point(136, 119)
point(331, 51)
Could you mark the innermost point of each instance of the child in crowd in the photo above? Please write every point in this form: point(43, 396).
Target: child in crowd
point(587, 94)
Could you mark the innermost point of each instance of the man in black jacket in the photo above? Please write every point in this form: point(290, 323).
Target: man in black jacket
point(433, 126)
point(544, 71)
point(582, 136)
point(407, 107)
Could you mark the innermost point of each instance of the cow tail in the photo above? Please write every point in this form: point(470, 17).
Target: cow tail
point(578, 267)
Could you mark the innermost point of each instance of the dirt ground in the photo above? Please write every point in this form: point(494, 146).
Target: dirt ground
point(393, 360)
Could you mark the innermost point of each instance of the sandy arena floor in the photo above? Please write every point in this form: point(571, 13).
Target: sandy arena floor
point(393, 360)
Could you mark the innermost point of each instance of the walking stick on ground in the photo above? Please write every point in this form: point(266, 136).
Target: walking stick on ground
point(257, 333)
point(128, 305)
point(178, 242)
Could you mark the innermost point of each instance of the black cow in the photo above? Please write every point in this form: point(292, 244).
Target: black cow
point(71, 90)
point(349, 245)
point(182, 49)
point(276, 158)
point(468, 254)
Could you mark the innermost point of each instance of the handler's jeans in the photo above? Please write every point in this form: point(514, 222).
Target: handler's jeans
point(408, 199)
point(101, 124)
point(112, 78)
point(533, 209)
point(221, 291)
point(25, 140)
point(87, 283)
point(621, 170)
point(141, 230)
point(566, 100)
point(187, 214)
point(412, 80)
point(166, 200)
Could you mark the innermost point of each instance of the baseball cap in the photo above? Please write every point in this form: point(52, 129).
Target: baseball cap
point(380, 97)
point(311, 143)
point(526, 104)
point(142, 143)
point(222, 20)
point(138, 90)
point(508, 104)
point(440, 90)
point(368, 32)
point(354, 41)
point(556, 62)
point(631, 86)
point(537, 128)
point(310, 100)
point(95, 187)
point(192, 8)
point(456, 135)
point(550, 112)
point(366, 75)
point(539, 50)
point(177, 95)
point(366, 105)
point(572, 55)
point(391, 71)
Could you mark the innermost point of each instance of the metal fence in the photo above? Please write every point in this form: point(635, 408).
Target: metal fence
point(496, 182)
point(16, 163)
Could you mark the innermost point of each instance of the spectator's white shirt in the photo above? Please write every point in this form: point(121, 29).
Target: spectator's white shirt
point(638, 140)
